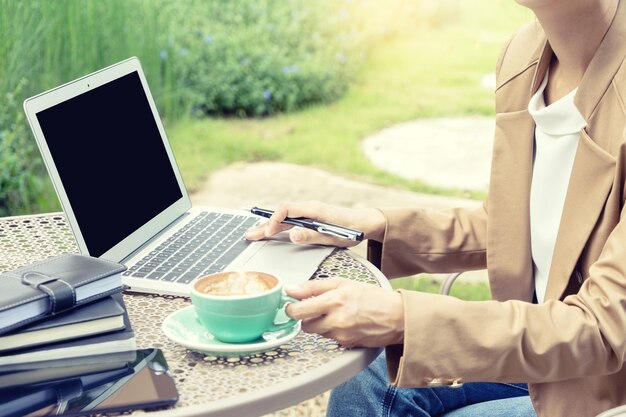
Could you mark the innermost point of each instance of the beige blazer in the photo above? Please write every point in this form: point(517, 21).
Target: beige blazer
point(571, 348)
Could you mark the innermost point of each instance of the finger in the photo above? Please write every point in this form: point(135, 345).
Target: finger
point(256, 232)
point(319, 325)
point(311, 209)
point(308, 309)
point(313, 307)
point(275, 220)
point(260, 232)
point(310, 237)
point(269, 231)
point(313, 288)
point(324, 327)
point(304, 310)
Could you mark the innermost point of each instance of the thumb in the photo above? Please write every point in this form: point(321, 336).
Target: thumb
point(299, 235)
point(310, 237)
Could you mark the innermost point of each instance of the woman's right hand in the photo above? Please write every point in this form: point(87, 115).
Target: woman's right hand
point(368, 220)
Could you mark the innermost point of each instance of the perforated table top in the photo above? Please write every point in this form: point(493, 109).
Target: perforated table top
point(208, 384)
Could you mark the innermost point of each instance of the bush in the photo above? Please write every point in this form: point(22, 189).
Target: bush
point(252, 58)
point(22, 185)
point(235, 57)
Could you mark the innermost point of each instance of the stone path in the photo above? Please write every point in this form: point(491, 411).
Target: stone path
point(446, 152)
point(269, 183)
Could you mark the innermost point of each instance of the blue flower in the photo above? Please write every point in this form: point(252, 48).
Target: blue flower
point(196, 111)
point(163, 54)
point(208, 39)
point(290, 69)
point(267, 95)
point(245, 61)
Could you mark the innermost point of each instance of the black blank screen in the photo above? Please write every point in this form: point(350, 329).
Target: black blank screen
point(111, 159)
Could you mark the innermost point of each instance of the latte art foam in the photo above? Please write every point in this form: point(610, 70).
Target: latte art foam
point(236, 283)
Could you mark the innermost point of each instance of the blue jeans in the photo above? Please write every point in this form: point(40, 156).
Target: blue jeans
point(369, 394)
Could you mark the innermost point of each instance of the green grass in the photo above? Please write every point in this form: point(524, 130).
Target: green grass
point(473, 291)
point(429, 70)
point(47, 43)
point(52, 42)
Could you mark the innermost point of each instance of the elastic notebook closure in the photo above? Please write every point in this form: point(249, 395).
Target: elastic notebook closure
point(61, 294)
point(69, 389)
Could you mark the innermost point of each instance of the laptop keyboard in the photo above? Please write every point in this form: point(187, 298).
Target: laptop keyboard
point(205, 245)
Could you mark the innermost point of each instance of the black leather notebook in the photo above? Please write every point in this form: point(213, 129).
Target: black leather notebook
point(101, 316)
point(47, 288)
point(99, 344)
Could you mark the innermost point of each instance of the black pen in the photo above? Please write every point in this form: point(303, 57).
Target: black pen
point(321, 227)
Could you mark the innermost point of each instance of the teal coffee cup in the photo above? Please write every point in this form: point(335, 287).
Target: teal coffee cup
point(239, 307)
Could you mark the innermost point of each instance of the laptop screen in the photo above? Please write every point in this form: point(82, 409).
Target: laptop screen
point(111, 159)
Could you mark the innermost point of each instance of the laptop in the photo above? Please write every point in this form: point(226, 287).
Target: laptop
point(116, 177)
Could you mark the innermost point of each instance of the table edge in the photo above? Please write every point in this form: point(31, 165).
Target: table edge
point(280, 396)
point(295, 390)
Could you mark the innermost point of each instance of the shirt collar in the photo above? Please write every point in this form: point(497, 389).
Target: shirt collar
point(559, 118)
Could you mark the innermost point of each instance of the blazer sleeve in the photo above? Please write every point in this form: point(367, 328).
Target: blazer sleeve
point(418, 241)
point(516, 341)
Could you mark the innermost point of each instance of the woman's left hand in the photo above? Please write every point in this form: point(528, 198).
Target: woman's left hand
point(353, 313)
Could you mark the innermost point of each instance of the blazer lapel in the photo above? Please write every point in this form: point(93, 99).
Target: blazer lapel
point(589, 186)
point(508, 254)
point(593, 170)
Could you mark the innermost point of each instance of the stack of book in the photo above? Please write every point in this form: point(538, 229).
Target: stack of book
point(66, 312)
point(45, 388)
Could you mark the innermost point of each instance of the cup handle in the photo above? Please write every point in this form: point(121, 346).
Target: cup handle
point(285, 299)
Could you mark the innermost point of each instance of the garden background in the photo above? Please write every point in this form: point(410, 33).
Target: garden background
point(298, 81)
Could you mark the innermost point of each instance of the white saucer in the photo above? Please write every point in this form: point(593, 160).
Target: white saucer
point(184, 328)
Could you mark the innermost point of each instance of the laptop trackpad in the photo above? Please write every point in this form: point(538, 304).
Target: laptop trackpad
point(292, 263)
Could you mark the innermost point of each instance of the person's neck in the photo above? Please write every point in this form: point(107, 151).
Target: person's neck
point(575, 29)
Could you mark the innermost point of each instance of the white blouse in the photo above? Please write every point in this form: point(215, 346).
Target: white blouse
point(557, 133)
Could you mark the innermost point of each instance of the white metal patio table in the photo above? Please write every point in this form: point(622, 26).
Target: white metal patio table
point(212, 385)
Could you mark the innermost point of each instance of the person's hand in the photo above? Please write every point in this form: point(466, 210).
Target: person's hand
point(368, 220)
point(353, 313)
